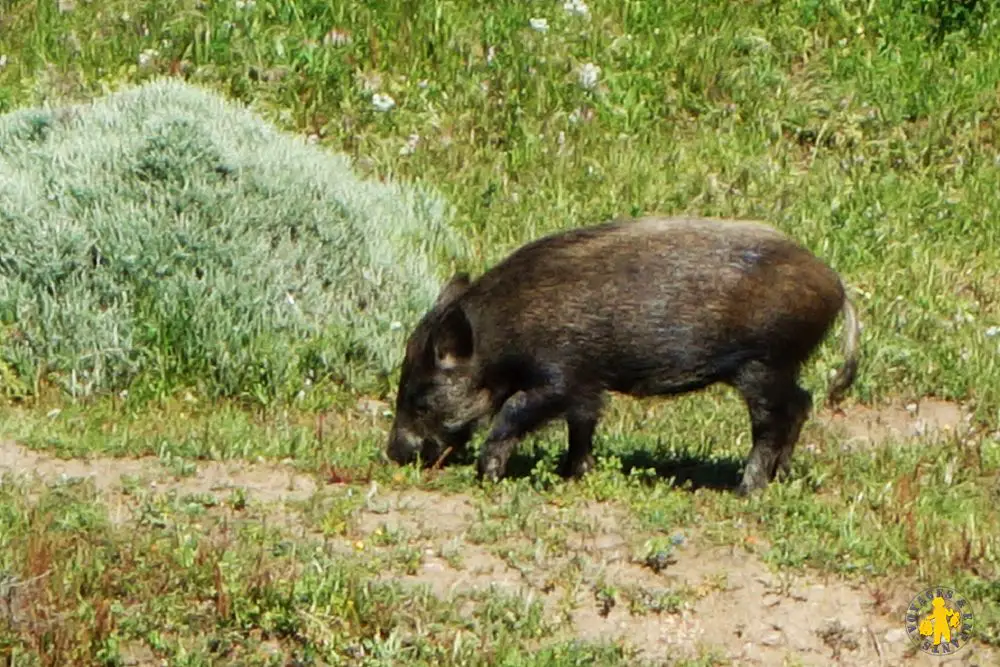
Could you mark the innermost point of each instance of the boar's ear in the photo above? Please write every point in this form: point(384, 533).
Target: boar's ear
point(453, 289)
point(452, 339)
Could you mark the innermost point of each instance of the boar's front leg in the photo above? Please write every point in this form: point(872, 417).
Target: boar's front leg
point(521, 413)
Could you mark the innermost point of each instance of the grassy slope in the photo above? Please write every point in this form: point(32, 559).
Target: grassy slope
point(854, 132)
point(847, 124)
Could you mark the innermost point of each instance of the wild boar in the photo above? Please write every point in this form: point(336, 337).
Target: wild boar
point(648, 307)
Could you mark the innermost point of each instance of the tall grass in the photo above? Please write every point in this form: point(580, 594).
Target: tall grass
point(166, 235)
point(865, 129)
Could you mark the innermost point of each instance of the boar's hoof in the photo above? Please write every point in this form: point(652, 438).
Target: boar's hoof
point(575, 468)
point(489, 469)
point(745, 488)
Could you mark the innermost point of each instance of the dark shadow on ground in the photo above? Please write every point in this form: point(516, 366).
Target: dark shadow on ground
point(688, 472)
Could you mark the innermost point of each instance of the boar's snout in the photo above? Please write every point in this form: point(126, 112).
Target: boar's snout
point(405, 446)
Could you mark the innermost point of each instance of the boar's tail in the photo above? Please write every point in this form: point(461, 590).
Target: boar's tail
point(845, 376)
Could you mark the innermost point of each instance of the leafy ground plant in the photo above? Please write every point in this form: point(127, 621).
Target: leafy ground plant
point(162, 236)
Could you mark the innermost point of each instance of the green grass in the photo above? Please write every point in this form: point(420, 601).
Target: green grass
point(851, 130)
point(85, 594)
point(867, 130)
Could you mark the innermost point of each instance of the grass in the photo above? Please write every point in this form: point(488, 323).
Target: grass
point(866, 130)
point(217, 589)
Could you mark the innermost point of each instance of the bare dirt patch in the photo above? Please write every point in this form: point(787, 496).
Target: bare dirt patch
point(438, 513)
point(860, 425)
point(437, 524)
point(266, 483)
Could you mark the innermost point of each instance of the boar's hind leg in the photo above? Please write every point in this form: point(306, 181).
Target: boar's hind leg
point(521, 413)
point(581, 420)
point(778, 408)
point(799, 407)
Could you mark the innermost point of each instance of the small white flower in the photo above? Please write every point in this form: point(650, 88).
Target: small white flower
point(289, 298)
point(147, 57)
point(245, 4)
point(992, 331)
point(541, 25)
point(574, 116)
point(411, 145)
point(382, 102)
point(589, 74)
point(395, 325)
point(422, 84)
point(3, 60)
point(578, 7)
point(490, 54)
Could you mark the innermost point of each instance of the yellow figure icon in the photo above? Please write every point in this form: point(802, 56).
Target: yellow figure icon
point(940, 622)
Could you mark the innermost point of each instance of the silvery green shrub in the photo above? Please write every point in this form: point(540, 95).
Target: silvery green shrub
point(166, 235)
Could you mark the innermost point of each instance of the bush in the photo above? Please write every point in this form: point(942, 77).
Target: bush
point(166, 237)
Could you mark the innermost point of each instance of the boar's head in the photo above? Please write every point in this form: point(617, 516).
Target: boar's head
point(438, 402)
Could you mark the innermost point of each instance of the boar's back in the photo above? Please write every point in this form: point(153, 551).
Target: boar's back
point(656, 305)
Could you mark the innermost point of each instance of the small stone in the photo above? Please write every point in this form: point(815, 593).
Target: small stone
point(895, 635)
point(771, 639)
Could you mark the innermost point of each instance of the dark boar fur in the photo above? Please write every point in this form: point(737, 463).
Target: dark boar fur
point(650, 307)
